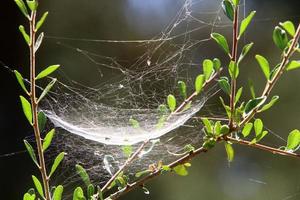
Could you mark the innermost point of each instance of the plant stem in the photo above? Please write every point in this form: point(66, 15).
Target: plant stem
point(234, 58)
point(34, 105)
point(270, 84)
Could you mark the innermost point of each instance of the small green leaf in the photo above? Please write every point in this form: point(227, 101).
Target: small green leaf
point(142, 173)
point(208, 144)
point(238, 95)
point(32, 5)
point(20, 80)
point(83, 174)
point(26, 109)
point(199, 83)
point(245, 23)
point(270, 104)
point(259, 137)
point(182, 89)
point(48, 139)
point(31, 152)
point(235, 2)
point(289, 27)
point(224, 129)
point(171, 102)
point(56, 162)
point(293, 140)
point(42, 119)
point(217, 128)
point(207, 125)
point(57, 194)
point(78, 194)
point(217, 64)
point(90, 190)
point(274, 71)
point(28, 196)
point(41, 21)
point(224, 85)
point(38, 185)
point(230, 151)
point(47, 89)
point(251, 86)
point(134, 123)
point(25, 35)
point(180, 170)
point(47, 71)
point(22, 6)
point(127, 150)
point(247, 129)
point(208, 67)
point(258, 126)
point(233, 69)
point(228, 9)
point(245, 51)
point(293, 65)
point(221, 40)
point(264, 65)
point(280, 38)
point(253, 104)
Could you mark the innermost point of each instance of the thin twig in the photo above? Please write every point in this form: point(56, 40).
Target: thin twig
point(34, 104)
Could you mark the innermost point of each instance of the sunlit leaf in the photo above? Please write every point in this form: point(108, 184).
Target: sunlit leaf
point(258, 126)
point(253, 104)
point(47, 71)
point(228, 9)
point(208, 67)
point(20, 80)
point(217, 128)
point(238, 95)
point(235, 2)
point(182, 89)
point(48, 139)
point(38, 185)
point(245, 23)
point(180, 170)
point(245, 51)
point(171, 100)
point(221, 41)
point(78, 194)
point(289, 27)
point(230, 151)
point(127, 150)
point(30, 151)
point(200, 79)
point(26, 109)
point(56, 162)
point(264, 65)
point(233, 69)
point(293, 140)
point(293, 65)
point(224, 129)
point(247, 129)
point(22, 7)
point(47, 89)
point(134, 123)
point(270, 104)
point(24, 34)
point(42, 119)
point(207, 125)
point(28, 196)
point(90, 190)
point(217, 64)
point(41, 21)
point(57, 194)
point(224, 85)
point(32, 4)
point(83, 174)
point(280, 38)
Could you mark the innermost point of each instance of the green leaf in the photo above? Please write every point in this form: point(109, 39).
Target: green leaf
point(217, 64)
point(41, 21)
point(180, 170)
point(182, 89)
point(31, 152)
point(264, 65)
point(22, 7)
point(199, 83)
point(38, 42)
point(253, 104)
point(207, 125)
point(78, 194)
point(230, 151)
point(48, 139)
point(251, 86)
point(47, 71)
point(142, 173)
point(235, 2)
point(127, 150)
point(217, 128)
point(238, 95)
point(208, 144)
point(233, 69)
point(259, 137)
point(47, 89)
point(38, 185)
point(26, 109)
point(258, 126)
point(224, 85)
point(274, 71)
point(293, 65)
point(245, 23)
point(25, 35)
point(224, 129)
point(228, 9)
point(134, 123)
point(42, 120)
point(280, 38)
point(245, 51)
point(32, 5)
point(208, 68)
point(56, 162)
point(171, 102)
point(293, 140)
point(221, 40)
point(247, 129)
point(20, 80)
point(57, 194)
point(289, 27)
point(83, 174)
point(90, 190)
point(28, 196)
point(270, 104)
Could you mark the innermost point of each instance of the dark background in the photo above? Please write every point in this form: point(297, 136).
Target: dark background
point(253, 175)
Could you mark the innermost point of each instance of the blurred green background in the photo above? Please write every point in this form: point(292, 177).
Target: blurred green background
point(253, 175)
